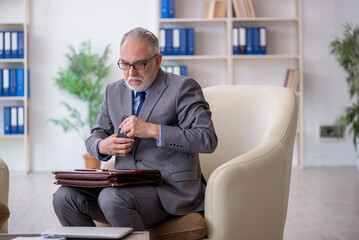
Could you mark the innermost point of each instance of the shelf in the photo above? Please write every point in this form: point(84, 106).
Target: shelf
point(206, 20)
point(283, 20)
point(267, 56)
point(194, 57)
point(15, 147)
point(266, 19)
point(12, 60)
point(12, 98)
point(13, 25)
point(15, 136)
point(191, 20)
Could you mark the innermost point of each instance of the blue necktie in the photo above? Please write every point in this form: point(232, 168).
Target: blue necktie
point(142, 99)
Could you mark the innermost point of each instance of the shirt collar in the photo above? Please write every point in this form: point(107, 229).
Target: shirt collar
point(135, 92)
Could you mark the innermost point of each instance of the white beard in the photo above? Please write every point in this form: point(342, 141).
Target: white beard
point(143, 86)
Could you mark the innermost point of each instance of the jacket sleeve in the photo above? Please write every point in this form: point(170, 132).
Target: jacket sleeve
point(102, 129)
point(195, 131)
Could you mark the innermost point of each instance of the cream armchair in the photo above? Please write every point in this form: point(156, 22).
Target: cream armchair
point(4, 196)
point(249, 173)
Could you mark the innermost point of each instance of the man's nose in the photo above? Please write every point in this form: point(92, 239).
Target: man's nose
point(132, 71)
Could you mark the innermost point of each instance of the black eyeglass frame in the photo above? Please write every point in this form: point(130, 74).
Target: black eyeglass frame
point(135, 65)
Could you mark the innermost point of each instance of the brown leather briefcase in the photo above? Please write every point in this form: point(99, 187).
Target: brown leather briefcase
point(106, 178)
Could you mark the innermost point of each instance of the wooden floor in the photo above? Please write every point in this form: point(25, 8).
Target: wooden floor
point(323, 204)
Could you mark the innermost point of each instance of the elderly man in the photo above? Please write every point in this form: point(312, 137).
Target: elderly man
point(169, 123)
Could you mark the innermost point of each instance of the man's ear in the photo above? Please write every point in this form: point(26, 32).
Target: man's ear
point(158, 60)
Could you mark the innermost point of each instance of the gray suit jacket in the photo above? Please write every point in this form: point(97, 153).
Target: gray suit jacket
point(178, 105)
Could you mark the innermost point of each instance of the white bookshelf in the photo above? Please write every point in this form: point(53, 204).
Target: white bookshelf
point(214, 63)
point(14, 149)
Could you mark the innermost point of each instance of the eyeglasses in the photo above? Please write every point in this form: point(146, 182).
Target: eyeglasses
point(136, 66)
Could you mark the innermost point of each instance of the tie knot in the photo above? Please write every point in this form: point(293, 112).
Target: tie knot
point(141, 94)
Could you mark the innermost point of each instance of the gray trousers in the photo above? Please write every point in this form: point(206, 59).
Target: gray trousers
point(131, 206)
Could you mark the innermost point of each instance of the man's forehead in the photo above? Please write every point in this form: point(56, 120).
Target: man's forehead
point(134, 51)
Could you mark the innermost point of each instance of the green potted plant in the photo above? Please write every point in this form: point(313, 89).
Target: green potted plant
point(84, 79)
point(346, 51)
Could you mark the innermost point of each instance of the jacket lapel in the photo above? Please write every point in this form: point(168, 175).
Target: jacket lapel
point(156, 91)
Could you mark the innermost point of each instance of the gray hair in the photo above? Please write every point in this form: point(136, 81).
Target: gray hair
point(141, 34)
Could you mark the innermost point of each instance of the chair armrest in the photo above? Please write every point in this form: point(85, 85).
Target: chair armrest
point(247, 197)
point(4, 182)
point(4, 190)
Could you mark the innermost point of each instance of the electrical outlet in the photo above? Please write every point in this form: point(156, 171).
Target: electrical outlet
point(328, 131)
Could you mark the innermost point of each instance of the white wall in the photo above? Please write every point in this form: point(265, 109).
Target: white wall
point(325, 89)
point(56, 24)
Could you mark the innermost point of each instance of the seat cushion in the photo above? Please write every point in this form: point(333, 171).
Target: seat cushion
point(4, 213)
point(188, 227)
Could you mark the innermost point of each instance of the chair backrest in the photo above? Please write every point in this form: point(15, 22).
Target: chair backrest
point(245, 117)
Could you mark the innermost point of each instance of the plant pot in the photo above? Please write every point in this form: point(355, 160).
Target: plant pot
point(91, 162)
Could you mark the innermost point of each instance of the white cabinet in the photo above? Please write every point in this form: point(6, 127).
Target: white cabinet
point(14, 148)
point(214, 63)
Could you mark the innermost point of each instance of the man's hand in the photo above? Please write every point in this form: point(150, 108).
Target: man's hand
point(137, 127)
point(115, 146)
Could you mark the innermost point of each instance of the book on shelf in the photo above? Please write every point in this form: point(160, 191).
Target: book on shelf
point(7, 44)
point(252, 13)
point(2, 53)
point(256, 40)
point(12, 82)
point(242, 40)
point(235, 40)
point(183, 41)
point(176, 69)
point(177, 41)
point(292, 79)
point(220, 9)
point(1, 82)
point(7, 120)
point(243, 9)
point(262, 40)
point(13, 120)
point(168, 8)
point(235, 6)
point(214, 9)
point(208, 9)
point(11, 44)
point(20, 120)
point(20, 44)
point(191, 46)
point(252, 40)
point(20, 82)
point(5, 83)
point(162, 40)
point(14, 50)
point(169, 41)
